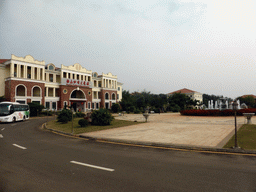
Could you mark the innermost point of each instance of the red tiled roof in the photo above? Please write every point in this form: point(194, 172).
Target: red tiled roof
point(249, 96)
point(3, 60)
point(183, 91)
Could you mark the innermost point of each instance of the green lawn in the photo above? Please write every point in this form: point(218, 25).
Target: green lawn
point(67, 128)
point(246, 138)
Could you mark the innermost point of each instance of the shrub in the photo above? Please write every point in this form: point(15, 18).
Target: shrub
point(49, 113)
point(79, 114)
point(83, 122)
point(101, 117)
point(115, 108)
point(64, 116)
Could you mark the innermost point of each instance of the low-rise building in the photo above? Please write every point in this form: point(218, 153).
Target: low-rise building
point(194, 95)
point(26, 80)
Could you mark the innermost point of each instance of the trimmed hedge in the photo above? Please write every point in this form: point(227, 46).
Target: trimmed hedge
point(64, 116)
point(83, 122)
point(101, 117)
point(227, 112)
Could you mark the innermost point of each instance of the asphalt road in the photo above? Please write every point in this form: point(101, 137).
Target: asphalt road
point(32, 159)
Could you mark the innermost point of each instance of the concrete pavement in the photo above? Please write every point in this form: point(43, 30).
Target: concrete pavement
point(174, 129)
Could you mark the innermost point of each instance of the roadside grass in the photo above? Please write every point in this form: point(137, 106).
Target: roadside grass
point(67, 127)
point(246, 137)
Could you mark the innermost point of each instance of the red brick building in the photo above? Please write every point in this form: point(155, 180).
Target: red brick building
point(27, 80)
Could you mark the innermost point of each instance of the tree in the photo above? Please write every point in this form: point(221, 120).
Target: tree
point(207, 98)
point(181, 100)
point(249, 101)
point(115, 108)
point(127, 100)
point(35, 109)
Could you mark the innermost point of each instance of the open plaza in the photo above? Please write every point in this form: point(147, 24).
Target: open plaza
point(174, 129)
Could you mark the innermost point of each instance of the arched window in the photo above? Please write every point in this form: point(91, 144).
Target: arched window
point(77, 94)
point(36, 92)
point(21, 91)
point(113, 96)
point(106, 96)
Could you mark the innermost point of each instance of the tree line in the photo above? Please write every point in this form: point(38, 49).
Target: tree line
point(139, 101)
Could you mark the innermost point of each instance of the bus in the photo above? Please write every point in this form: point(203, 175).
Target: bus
point(13, 111)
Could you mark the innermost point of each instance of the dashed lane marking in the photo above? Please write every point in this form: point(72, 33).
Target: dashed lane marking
point(13, 125)
point(92, 166)
point(2, 129)
point(1, 136)
point(19, 146)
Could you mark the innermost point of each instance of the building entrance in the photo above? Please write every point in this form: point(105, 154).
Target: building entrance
point(79, 106)
point(78, 100)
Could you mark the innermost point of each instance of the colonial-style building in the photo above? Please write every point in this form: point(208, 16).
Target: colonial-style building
point(28, 80)
point(192, 94)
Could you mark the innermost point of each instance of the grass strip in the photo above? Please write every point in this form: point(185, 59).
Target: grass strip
point(67, 127)
point(246, 137)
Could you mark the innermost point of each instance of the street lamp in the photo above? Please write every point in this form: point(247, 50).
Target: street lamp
point(235, 106)
point(72, 111)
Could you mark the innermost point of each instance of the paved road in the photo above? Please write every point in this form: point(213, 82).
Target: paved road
point(32, 159)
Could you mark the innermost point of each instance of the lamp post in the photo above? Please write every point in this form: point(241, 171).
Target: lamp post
point(235, 104)
point(72, 110)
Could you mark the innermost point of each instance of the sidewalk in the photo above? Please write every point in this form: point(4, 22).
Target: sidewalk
point(174, 129)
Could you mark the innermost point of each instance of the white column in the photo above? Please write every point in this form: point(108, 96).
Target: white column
point(12, 70)
point(24, 71)
point(47, 77)
point(38, 73)
point(32, 72)
point(54, 78)
point(43, 74)
point(18, 71)
point(47, 91)
point(54, 92)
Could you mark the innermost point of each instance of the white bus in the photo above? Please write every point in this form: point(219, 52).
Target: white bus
point(13, 111)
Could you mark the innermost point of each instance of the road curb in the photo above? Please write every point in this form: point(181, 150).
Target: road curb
point(158, 145)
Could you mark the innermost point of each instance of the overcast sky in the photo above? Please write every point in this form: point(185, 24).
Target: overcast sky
point(154, 45)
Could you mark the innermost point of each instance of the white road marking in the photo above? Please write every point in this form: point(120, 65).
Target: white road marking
point(19, 146)
point(2, 129)
point(93, 166)
point(13, 125)
point(1, 136)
